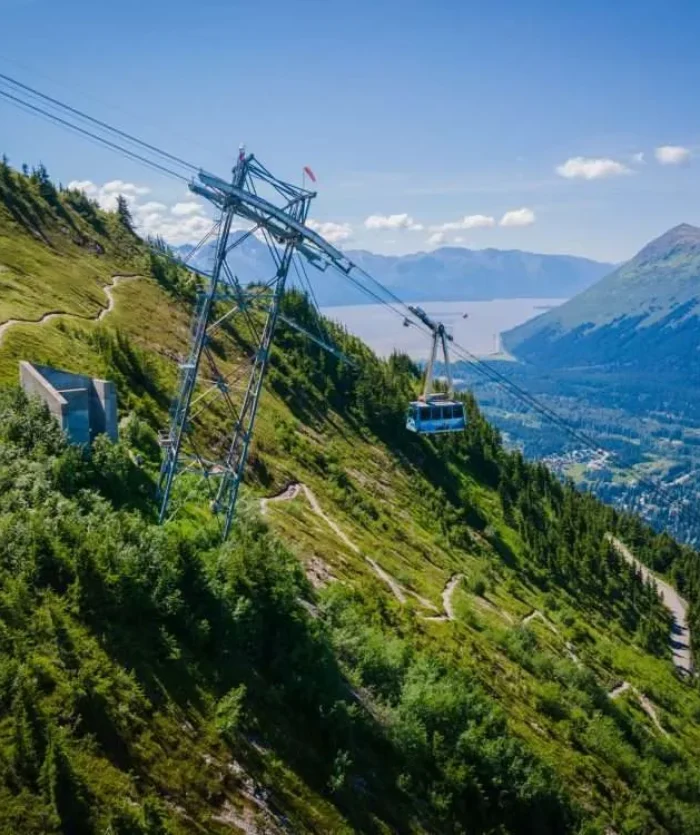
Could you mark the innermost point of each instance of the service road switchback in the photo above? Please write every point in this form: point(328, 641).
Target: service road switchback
point(680, 631)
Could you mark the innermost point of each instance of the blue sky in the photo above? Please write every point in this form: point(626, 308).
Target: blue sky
point(508, 124)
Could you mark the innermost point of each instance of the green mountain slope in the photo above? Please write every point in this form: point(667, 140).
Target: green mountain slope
point(643, 315)
point(426, 636)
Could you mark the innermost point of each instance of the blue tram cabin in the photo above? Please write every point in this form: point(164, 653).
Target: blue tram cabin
point(435, 416)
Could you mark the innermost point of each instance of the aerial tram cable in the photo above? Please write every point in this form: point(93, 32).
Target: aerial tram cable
point(317, 251)
point(356, 282)
point(307, 288)
point(410, 317)
point(482, 367)
point(658, 491)
point(121, 111)
point(514, 390)
point(90, 135)
point(326, 346)
point(66, 108)
point(197, 247)
point(509, 386)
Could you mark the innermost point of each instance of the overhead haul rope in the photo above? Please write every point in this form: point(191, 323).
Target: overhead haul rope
point(66, 108)
point(671, 504)
point(89, 134)
point(478, 364)
point(587, 441)
point(195, 249)
point(307, 287)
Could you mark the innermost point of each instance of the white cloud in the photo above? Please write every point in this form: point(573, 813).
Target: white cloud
point(152, 218)
point(86, 186)
point(120, 187)
point(106, 194)
point(332, 232)
point(467, 222)
point(518, 217)
point(399, 221)
point(672, 155)
point(638, 157)
point(153, 206)
point(583, 168)
point(436, 239)
point(175, 231)
point(188, 208)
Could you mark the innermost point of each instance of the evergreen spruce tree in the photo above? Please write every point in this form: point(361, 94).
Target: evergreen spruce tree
point(124, 213)
point(5, 172)
point(46, 188)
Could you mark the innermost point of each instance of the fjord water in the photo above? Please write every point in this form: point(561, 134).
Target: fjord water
point(479, 332)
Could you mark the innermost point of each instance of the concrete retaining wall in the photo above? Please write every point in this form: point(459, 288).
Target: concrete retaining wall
point(84, 407)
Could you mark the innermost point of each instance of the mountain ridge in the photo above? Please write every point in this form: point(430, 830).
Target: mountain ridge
point(643, 313)
point(682, 234)
point(447, 273)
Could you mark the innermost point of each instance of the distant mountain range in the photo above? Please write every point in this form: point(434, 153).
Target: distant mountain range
point(445, 274)
point(644, 315)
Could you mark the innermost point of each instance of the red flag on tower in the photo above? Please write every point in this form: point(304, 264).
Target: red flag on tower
point(309, 173)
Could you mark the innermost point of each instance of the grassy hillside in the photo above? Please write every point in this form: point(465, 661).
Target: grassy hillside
point(427, 637)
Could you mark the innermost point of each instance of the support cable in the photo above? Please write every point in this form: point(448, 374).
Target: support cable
point(106, 142)
point(97, 122)
point(396, 303)
point(516, 391)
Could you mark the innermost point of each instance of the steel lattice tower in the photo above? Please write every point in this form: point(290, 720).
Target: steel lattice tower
point(277, 212)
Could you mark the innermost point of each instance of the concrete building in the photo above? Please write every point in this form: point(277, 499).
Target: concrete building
point(84, 407)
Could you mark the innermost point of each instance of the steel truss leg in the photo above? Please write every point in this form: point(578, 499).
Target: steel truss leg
point(189, 371)
point(240, 444)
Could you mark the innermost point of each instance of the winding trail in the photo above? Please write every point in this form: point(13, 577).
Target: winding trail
point(286, 495)
point(395, 587)
point(646, 705)
point(294, 489)
point(316, 507)
point(447, 595)
point(291, 491)
point(487, 605)
point(620, 689)
point(568, 646)
point(537, 614)
point(450, 589)
point(671, 598)
point(62, 314)
point(680, 631)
